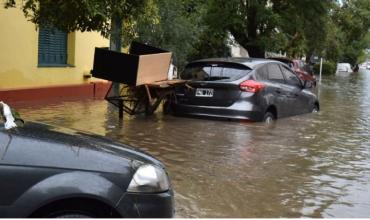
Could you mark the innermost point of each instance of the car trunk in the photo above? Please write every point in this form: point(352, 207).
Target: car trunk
point(212, 84)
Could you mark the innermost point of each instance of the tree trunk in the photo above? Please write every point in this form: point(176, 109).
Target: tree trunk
point(115, 43)
point(255, 51)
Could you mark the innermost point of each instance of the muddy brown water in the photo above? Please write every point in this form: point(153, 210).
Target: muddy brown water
point(313, 165)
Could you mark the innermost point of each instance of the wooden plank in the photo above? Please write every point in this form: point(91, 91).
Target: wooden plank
point(153, 67)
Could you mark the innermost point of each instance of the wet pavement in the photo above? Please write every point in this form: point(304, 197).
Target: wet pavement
point(313, 165)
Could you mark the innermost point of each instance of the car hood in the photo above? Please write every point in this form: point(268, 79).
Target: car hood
point(43, 145)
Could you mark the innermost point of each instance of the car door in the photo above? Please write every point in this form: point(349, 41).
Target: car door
point(278, 89)
point(298, 100)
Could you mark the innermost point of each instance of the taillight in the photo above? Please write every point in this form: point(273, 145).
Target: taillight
point(251, 86)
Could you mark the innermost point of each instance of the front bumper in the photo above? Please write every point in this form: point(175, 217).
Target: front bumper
point(147, 205)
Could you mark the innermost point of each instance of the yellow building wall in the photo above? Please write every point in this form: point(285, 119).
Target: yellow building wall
point(19, 55)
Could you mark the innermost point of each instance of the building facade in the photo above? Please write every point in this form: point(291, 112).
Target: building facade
point(42, 63)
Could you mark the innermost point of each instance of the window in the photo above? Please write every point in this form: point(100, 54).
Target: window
point(261, 73)
point(275, 73)
point(291, 78)
point(213, 73)
point(52, 47)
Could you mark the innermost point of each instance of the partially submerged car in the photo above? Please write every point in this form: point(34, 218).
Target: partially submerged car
point(242, 88)
point(299, 69)
point(343, 68)
point(47, 171)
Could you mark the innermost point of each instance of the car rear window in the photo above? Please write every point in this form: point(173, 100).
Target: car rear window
point(213, 73)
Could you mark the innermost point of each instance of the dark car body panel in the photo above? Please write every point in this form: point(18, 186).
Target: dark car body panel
point(229, 101)
point(40, 164)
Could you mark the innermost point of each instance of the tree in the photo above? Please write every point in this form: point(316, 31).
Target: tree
point(176, 28)
point(304, 24)
point(352, 19)
point(250, 22)
point(274, 25)
point(181, 27)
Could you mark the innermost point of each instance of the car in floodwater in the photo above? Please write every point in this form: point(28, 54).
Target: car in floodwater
point(47, 171)
point(242, 88)
point(299, 69)
point(343, 68)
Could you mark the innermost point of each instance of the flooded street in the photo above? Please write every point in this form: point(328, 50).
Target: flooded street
point(314, 165)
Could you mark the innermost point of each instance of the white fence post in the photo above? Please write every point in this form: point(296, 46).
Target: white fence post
point(320, 71)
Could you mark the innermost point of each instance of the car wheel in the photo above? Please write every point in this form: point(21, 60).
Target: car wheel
point(315, 109)
point(73, 215)
point(269, 118)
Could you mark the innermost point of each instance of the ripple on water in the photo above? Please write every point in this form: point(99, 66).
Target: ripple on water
point(312, 165)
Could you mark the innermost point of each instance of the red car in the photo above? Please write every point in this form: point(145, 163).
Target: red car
point(298, 67)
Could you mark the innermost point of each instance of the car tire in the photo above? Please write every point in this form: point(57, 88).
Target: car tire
point(315, 109)
point(269, 118)
point(73, 215)
point(74, 209)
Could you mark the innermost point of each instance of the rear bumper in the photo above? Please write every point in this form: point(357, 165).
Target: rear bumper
point(239, 110)
point(138, 205)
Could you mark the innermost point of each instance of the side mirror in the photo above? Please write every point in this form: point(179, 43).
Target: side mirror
point(308, 84)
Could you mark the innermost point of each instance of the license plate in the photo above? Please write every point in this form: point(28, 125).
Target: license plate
point(200, 92)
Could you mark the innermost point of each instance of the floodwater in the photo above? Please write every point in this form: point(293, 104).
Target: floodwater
point(313, 165)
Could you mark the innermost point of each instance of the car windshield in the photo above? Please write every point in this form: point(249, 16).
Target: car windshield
point(213, 73)
point(301, 64)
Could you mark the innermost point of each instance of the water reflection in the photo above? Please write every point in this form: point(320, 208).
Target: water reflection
point(314, 165)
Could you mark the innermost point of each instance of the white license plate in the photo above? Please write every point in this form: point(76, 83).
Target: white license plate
point(200, 92)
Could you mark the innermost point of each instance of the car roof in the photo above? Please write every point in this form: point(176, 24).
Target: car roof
point(251, 63)
point(282, 59)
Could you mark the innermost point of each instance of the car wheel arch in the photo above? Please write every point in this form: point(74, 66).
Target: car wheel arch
point(272, 109)
point(74, 185)
point(317, 104)
point(105, 209)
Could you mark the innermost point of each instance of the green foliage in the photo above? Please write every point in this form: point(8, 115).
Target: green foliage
point(328, 68)
point(274, 25)
point(191, 29)
point(211, 43)
point(297, 20)
point(352, 20)
point(252, 23)
point(82, 15)
point(180, 27)
point(177, 27)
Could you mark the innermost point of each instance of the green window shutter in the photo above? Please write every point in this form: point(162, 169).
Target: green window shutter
point(52, 47)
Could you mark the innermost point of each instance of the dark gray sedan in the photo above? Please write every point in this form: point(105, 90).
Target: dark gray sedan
point(242, 88)
point(47, 171)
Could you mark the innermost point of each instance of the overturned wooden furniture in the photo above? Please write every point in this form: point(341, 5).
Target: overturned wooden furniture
point(142, 75)
point(143, 99)
point(142, 65)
